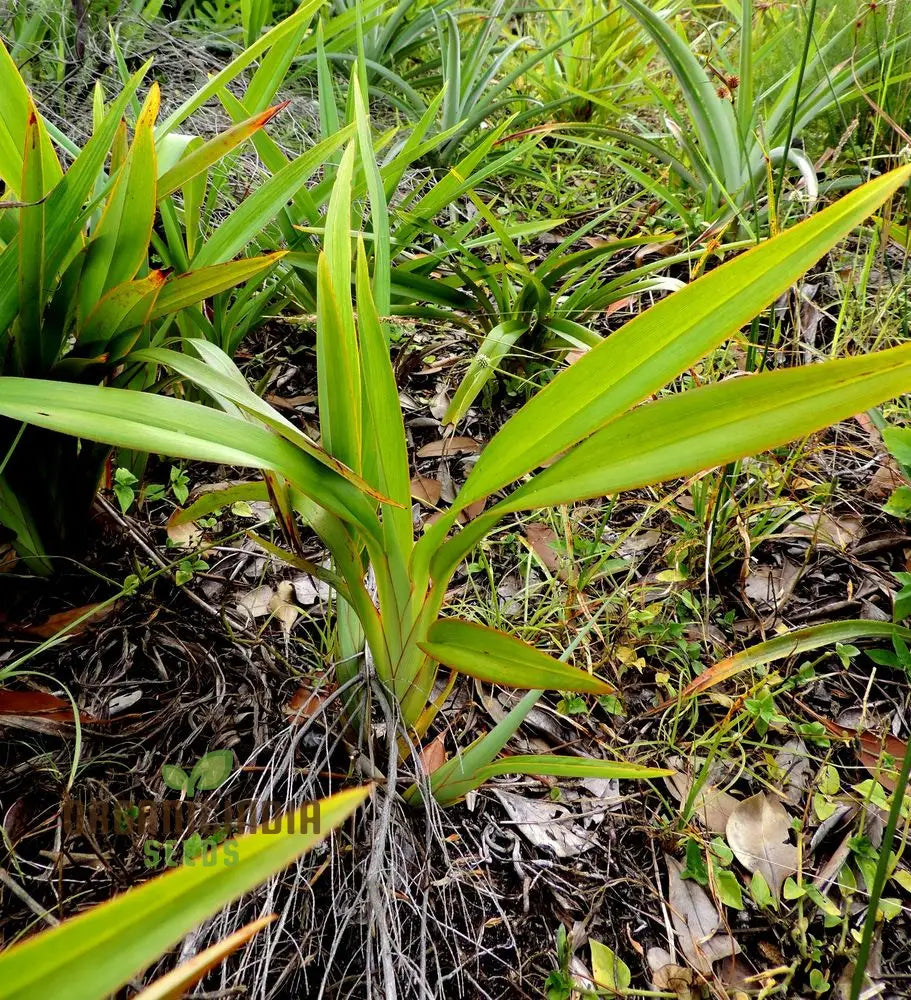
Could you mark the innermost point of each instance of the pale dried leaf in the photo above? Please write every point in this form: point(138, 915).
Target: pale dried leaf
point(280, 605)
point(793, 762)
point(309, 590)
point(256, 602)
point(697, 922)
point(825, 529)
point(439, 404)
point(458, 445)
point(757, 833)
point(544, 824)
point(712, 806)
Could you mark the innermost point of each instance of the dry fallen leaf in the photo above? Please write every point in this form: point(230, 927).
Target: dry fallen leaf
point(280, 605)
point(309, 590)
point(669, 977)
point(184, 536)
point(256, 602)
point(712, 806)
point(290, 402)
point(697, 922)
point(426, 490)
point(37, 711)
point(541, 539)
point(770, 586)
point(433, 754)
point(757, 833)
point(458, 445)
point(305, 702)
point(883, 483)
point(64, 621)
point(544, 823)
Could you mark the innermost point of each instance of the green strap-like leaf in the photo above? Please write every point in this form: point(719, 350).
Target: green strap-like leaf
point(498, 658)
point(94, 954)
point(715, 424)
point(645, 354)
point(144, 422)
point(121, 238)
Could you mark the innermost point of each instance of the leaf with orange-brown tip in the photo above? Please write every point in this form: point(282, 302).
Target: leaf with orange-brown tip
point(176, 983)
point(215, 149)
point(783, 647)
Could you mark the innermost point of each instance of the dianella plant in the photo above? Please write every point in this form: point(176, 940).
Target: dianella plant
point(731, 130)
point(109, 255)
point(593, 431)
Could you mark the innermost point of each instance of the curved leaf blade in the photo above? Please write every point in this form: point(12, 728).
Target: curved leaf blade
point(133, 929)
point(498, 658)
point(645, 354)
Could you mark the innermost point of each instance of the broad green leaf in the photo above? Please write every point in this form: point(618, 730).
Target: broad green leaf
point(645, 354)
point(211, 770)
point(97, 952)
point(217, 374)
point(338, 367)
point(28, 337)
point(224, 495)
point(121, 238)
point(16, 107)
point(26, 540)
point(123, 307)
point(713, 117)
point(147, 423)
point(384, 432)
point(715, 424)
point(379, 213)
point(898, 441)
point(458, 776)
point(608, 970)
point(64, 208)
point(498, 658)
point(175, 777)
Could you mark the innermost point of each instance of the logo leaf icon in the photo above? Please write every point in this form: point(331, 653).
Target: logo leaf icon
point(211, 770)
point(175, 777)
